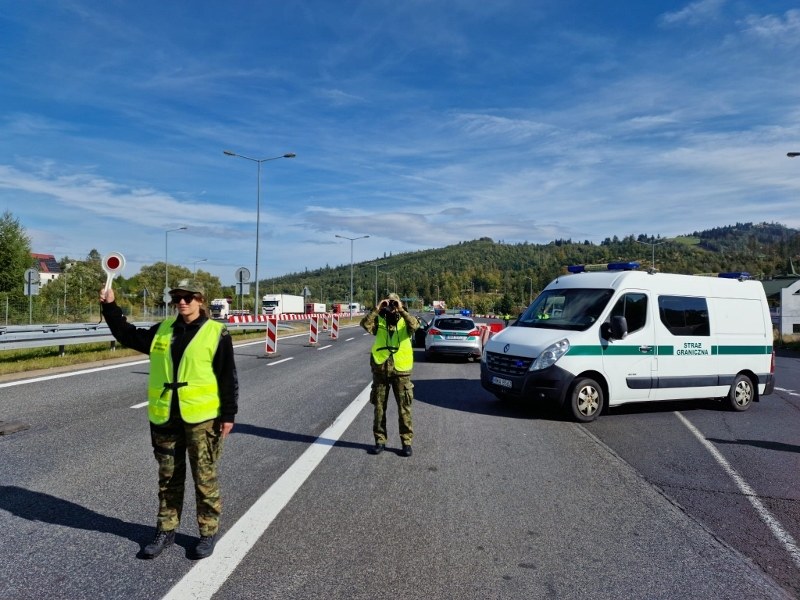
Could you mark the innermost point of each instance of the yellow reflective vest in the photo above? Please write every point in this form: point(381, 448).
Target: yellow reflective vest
point(393, 343)
point(198, 392)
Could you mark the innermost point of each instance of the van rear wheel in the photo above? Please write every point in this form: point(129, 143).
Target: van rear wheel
point(741, 395)
point(586, 400)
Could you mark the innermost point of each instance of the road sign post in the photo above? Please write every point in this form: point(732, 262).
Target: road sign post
point(31, 281)
point(242, 276)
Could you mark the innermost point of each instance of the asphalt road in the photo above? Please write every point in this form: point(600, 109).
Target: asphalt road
point(498, 501)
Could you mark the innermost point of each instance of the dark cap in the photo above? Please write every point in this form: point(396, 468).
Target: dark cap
point(188, 285)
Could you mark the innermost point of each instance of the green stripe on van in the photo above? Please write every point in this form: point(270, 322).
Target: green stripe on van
point(628, 350)
point(729, 350)
point(594, 350)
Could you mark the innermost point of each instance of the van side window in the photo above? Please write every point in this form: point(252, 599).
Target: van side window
point(684, 315)
point(634, 308)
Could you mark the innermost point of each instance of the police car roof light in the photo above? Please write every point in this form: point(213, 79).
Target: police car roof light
point(735, 275)
point(576, 268)
point(623, 266)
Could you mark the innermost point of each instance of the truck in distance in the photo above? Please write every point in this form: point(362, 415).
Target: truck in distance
point(220, 308)
point(281, 304)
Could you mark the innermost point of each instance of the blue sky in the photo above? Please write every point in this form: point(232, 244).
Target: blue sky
point(420, 123)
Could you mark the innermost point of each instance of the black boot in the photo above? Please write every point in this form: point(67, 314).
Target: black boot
point(205, 547)
point(163, 539)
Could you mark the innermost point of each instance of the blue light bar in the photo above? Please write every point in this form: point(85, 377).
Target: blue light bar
point(576, 268)
point(735, 275)
point(623, 266)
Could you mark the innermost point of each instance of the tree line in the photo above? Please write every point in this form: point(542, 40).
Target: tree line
point(483, 275)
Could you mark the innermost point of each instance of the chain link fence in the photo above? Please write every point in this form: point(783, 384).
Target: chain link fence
point(15, 310)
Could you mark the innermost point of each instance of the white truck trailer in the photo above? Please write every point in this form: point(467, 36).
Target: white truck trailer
point(220, 308)
point(282, 304)
point(315, 307)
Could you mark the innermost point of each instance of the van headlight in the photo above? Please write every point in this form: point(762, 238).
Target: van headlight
point(550, 355)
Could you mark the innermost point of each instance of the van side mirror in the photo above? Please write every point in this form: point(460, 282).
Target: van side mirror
point(617, 329)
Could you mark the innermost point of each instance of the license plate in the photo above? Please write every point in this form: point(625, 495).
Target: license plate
point(506, 383)
point(452, 337)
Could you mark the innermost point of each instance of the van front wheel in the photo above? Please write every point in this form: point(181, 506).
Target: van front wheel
point(741, 395)
point(586, 400)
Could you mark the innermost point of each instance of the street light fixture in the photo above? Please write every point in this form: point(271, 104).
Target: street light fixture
point(792, 154)
point(194, 269)
point(166, 255)
point(351, 266)
point(653, 244)
point(258, 161)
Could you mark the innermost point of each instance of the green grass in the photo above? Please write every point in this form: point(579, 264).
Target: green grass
point(686, 240)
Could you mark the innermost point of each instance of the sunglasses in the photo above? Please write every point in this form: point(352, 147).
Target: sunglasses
point(187, 298)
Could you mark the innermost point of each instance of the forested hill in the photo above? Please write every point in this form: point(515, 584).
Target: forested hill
point(488, 275)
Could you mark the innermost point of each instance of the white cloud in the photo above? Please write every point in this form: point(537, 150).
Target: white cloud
point(694, 13)
point(774, 29)
point(92, 194)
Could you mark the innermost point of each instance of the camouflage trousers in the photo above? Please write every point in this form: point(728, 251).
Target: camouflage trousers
point(203, 443)
point(385, 377)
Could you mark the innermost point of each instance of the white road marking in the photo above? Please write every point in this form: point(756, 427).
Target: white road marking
point(790, 392)
point(207, 576)
point(140, 405)
point(349, 339)
point(325, 347)
point(783, 536)
point(277, 362)
point(72, 373)
point(107, 368)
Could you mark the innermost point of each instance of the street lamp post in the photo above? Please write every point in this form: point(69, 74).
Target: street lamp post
point(166, 255)
point(530, 294)
point(194, 269)
point(653, 244)
point(376, 265)
point(351, 266)
point(258, 161)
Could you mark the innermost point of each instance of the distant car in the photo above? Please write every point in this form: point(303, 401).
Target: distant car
point(453, 335)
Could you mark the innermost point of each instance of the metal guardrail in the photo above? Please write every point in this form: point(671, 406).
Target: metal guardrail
point(16, 337)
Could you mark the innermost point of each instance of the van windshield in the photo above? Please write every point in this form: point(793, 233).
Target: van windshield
point(573, 309)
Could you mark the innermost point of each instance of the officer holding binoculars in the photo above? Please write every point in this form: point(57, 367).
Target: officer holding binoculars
point(391, 360)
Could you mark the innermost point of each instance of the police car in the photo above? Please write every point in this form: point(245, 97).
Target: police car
point(453, 335)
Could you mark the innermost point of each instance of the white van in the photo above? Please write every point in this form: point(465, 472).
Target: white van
point(596, 339)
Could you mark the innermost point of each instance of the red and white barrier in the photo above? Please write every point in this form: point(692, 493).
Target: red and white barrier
point(485, 333)
point(272, 336)
point(325, 321)
point(261, 318)
point(313, 330)
point(335, 327)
